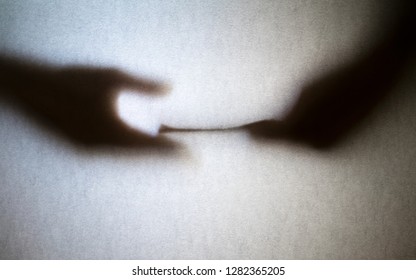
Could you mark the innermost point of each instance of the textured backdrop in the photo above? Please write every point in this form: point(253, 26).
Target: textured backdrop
point(224, 195)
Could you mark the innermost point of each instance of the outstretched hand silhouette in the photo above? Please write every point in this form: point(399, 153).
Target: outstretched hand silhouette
point(332, 105)
point(78, 102)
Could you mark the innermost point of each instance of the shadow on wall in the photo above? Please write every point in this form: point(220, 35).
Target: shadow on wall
point(330, 107)
point(77, 102)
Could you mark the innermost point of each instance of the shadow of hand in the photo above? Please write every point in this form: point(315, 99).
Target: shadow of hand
point(77, 102)
point(332, 105)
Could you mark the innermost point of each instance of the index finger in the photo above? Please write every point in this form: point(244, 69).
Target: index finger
point(143, 85)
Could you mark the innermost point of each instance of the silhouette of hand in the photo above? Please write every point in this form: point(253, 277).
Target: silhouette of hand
point(78, 102)
point(332, 105)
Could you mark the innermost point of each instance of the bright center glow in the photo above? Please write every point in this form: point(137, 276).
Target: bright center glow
point(139, 111)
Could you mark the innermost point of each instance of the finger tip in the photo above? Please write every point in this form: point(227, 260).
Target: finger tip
point(162, 88)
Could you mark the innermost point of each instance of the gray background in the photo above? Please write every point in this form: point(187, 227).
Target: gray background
point(224, 195)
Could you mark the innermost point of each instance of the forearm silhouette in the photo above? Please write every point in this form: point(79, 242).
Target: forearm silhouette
point(77, 102)
point(332, 105)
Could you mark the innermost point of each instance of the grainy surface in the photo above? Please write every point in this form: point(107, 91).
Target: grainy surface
point(224, 195)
